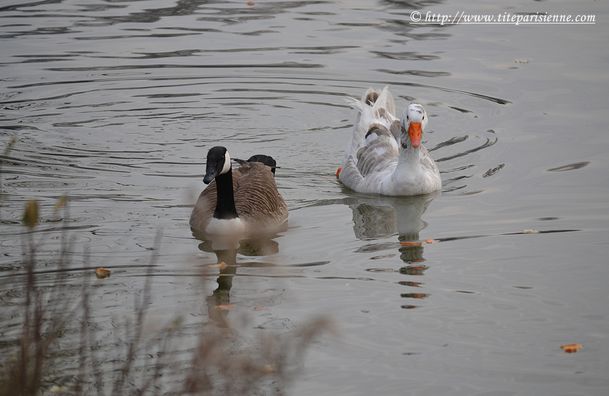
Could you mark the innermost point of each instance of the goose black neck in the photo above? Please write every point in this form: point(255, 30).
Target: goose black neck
point(225, 199)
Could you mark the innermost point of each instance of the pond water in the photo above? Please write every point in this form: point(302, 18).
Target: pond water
point(116, 103)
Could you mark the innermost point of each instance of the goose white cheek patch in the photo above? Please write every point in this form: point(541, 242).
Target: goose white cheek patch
point(226, 166)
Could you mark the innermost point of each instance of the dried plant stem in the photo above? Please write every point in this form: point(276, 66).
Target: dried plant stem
point(140, 312)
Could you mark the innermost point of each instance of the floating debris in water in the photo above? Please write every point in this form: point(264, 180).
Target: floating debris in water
point(102, 272)
point(571, 348)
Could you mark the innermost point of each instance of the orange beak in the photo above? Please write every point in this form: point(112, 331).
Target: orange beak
point(415, 132)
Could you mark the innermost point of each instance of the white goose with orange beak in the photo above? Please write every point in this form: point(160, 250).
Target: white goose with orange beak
point(387, 156)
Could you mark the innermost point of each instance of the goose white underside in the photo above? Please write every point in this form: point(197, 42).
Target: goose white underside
point(413, 181)
point(223, 227)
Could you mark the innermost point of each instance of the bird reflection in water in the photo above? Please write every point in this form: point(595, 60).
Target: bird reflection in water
point(381, 217)
point(219, 302)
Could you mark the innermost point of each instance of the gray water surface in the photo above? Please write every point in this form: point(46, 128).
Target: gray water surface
point(116, 104)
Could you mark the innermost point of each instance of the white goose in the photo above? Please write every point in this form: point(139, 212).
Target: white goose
point(386, 155)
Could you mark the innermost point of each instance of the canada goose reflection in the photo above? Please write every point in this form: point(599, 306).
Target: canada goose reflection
point(226, 253)
point(381, 217)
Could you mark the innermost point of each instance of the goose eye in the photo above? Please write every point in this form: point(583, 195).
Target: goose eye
point(407, 118)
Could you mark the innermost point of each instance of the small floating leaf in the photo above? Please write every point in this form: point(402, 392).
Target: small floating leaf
point(102, 272)
point(430, 241)
point(411, 243)
point(30, 214)
point(338, 170)
point(571, 348)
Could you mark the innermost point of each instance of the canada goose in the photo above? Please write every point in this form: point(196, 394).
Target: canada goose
point(238, 202)
point(386, 155)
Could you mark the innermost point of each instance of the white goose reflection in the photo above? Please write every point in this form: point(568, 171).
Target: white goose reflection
point(379, 217)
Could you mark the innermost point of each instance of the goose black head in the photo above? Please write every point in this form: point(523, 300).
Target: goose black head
point(265, 159)
point(218, 163)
